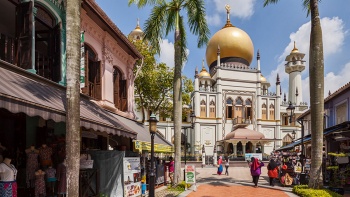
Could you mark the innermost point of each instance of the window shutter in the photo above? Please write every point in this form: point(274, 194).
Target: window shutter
point(24, 35)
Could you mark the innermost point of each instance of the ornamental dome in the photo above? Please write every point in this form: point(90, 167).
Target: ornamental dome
point(137, 33)
point(204, 72)
point(234, 44)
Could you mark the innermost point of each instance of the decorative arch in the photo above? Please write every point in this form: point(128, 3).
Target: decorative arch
point(287, 139)
point(248, 112)
point(239, 101)
point(263, 112)
point(92, 73)
point(119, 89)
point(229, 108)
point(238, 110)
point(203, 107)
point(272, 112)
point(212, 109)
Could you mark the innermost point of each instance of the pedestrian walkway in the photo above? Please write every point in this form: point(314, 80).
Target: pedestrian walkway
point(238, 183)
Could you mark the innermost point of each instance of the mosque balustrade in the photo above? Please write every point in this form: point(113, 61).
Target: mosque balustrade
point(207, 88)
point(269, 93)
point(241, 120)
point(236, 66)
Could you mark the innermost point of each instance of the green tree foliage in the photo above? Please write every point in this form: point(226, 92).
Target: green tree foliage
point(166, 17)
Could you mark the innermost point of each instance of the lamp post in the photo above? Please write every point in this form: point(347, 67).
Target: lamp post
point(193, 118)
point(152, 129)
point(291, 109)
point(293, 134)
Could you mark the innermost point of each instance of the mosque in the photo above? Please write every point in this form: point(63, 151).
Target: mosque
point(236, 113)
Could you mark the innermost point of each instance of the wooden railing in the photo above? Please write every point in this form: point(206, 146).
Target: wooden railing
point(7, 48)
point(43, 65)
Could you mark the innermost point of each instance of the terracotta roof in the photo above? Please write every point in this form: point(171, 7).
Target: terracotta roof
point(244, 133)
point(93, 6)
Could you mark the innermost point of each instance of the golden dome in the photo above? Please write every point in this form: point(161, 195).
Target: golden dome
point(204, 72)
point(262, 78)
point(137, 32)
point(232, 41)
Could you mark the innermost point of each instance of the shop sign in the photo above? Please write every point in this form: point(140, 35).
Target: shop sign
point(255, 155)
point(132, 176)
point(82, 60)
point(190, 174)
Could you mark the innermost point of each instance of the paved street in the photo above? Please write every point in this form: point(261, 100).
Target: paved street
point(238, 183)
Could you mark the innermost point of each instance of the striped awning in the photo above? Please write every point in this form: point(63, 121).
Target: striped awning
point(24, 92)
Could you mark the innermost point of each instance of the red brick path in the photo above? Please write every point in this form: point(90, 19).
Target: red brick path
point(236, 190)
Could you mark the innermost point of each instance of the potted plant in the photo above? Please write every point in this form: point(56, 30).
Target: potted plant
point(337, 175)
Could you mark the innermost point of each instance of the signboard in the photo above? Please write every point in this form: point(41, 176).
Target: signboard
point(190, 174)
point(82, 61)
point(255, 155)
point(132, 176)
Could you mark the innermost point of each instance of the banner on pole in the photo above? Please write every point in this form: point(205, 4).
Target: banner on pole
point(82, 60)
point(190, 174)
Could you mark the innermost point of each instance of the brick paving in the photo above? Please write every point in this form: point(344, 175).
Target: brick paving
point(238, 183)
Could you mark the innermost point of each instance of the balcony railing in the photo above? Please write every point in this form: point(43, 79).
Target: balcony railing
point(241, 120)
point(7, 48)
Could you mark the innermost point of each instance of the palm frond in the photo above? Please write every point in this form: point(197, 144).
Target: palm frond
point(155, 26)
point(197, 21)
point(143, 3)
point(171, 17)
point(267, 2)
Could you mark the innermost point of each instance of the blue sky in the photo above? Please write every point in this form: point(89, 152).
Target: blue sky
point(273, 30)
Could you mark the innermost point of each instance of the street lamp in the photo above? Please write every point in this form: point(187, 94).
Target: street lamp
point(152, 129)
point(291, 109)
point(193, 119)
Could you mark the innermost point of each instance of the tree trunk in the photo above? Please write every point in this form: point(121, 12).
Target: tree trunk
point(177, 84)
point(316, 70)
point(73, 96)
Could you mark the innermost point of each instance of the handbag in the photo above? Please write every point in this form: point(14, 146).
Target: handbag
point(298, 167)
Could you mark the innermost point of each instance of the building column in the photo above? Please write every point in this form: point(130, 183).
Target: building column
point(243, 149)
point(254, 148)
point(235, 150)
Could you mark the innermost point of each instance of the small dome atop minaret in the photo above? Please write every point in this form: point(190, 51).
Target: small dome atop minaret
point(295, 49)
point(137, 33)
point(204, 72)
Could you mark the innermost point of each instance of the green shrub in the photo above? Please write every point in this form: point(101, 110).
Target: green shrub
point(305, 191)
point(180, 186)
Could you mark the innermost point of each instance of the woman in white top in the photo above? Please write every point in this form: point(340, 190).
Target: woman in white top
point(8, 185)
point(227, 164)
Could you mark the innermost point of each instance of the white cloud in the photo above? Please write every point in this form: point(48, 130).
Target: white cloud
point(239, 8)
point(333, 39)
point(167, 53)
point(332, 82)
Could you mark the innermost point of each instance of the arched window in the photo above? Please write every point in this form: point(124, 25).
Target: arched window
point(287, 139)
point(203, 109)
point(119, 90)
point(263, 111)
point(272, 112)
point(248, 109)
point(285, 119)
point(92, 74)
point(238, 110)
point(212, 109)
point(229, 106)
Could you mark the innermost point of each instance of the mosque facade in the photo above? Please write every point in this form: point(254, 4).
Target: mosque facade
point(236, 112)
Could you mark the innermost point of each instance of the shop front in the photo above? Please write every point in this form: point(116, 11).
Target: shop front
point(32, 132)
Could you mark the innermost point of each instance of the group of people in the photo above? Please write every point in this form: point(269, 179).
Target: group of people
point(255, 169)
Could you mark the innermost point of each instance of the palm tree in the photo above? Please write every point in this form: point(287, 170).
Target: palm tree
point(164, 18)
point(316, 71)
point(73, 96)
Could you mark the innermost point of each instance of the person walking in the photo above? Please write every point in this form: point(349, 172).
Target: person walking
point(220, 168)
point(171, 169)
point(272, 172)
point(227, 164)
point(255, 170)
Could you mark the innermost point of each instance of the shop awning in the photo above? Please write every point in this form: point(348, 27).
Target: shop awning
point(143, 139)
point(294, 144)
point(24, 92)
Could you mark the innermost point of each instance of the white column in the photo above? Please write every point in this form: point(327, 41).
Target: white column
point(235, 150)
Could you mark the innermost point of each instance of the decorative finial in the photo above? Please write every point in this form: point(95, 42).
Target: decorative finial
point(329, 92)
point(196, 72)
point(284, 97)
point(218, 52)
point(280, 90)
point(258, 55)
point(228, 22)
point(295, 49)
point(203, 64)
point(138, 24)
point(278, 79)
